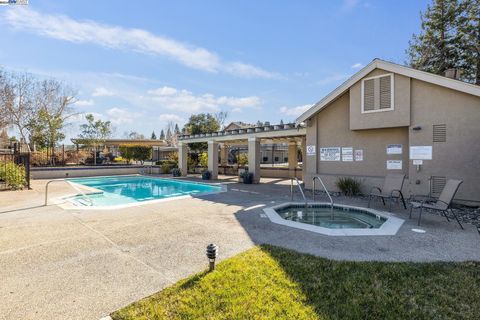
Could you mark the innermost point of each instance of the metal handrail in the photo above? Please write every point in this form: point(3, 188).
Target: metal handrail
point(300, 188)
point(60, 180)
point(325, 188)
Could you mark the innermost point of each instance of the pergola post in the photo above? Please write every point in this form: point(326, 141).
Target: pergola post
point(213, 158)
point(183, 157)
point(292, 158)
point(254, 158)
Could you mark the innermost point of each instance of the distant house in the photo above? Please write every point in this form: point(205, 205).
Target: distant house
point(392, 118)
point(238, 125)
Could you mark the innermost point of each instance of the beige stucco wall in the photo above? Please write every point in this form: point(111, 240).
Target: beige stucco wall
point(66, 172)
point(417, 103)
point(398, 117)
point(459, 156)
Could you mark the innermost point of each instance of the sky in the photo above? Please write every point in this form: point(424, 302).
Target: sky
point(143, 64)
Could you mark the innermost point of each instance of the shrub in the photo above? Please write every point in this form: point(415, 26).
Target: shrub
point(165, 168)
point(203, 160)
point(12, 174)
point(242, 159)
point(176, 172)
point(136, 152)
point(349, 186)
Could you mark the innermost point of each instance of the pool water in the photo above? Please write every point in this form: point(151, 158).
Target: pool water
point(134, 189)
point(336, 218)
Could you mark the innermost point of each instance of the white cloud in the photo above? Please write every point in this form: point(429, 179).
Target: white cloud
point(84, 103)
point(333, 78)
point(165, 117)
point(357, 65)
point(120, 116)
point(65, 28)
point(186, 101)
point(295, 111)
point(102, 92)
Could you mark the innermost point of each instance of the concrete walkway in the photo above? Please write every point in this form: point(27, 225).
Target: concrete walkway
point(77, 264)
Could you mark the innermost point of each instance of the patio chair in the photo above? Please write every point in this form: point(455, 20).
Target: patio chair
point(391, 189)
point(441, 204)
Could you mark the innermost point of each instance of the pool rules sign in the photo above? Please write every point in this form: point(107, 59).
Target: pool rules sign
point(310, 150)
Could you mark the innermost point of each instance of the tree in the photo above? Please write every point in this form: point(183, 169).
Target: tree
point(469, 40)
point(6, 97)
point(154, 136)
point(53, 102)
point(176, 130)
point(221, 118)
point(134, 135)
point(162, 135)
point(450, 38)
point(201, 123)
point(94, 133)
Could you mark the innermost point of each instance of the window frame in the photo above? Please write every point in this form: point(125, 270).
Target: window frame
point(392, 93)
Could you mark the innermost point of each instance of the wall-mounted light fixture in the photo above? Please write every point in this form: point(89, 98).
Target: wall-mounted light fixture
point(417, 128)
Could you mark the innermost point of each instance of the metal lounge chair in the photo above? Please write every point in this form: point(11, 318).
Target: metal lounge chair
point(391, 189)
point(441, 204)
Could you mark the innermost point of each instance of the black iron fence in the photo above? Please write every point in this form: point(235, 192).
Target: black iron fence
point(14, 169)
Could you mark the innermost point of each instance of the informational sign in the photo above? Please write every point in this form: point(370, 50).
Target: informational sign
point(310, 150)
point(417, 162)
point(394, 164)
point(394, 149)
point(330, 154)
point(359, 155)
point(421, 153)
point(347, 154)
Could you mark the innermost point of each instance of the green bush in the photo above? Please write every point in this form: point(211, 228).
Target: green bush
point(203, 160)
point(12, 174)
point(242, 159)
point(165, 168)
point(349, 186)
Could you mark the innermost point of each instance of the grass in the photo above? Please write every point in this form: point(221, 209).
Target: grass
point(268, 282)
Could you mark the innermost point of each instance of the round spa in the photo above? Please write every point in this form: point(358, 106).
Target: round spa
point(339, 220)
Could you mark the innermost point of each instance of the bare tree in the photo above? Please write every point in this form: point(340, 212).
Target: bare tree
point(221, 118)
point(17, 104)
point(172, 134)
point(6, 97)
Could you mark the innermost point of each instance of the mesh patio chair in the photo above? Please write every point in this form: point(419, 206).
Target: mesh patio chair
point(441, 204)
point(391, 190)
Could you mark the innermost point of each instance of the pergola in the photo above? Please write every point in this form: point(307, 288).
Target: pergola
point(252, 137)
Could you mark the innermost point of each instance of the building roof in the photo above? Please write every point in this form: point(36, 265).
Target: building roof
point(395, 68)
point(239, 125)
point(149, 142)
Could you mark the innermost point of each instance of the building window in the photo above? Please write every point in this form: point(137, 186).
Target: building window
point(377, 93)
point(265, 159)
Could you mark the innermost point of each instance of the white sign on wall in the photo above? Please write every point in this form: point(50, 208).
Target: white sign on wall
point(421, 153)
point(394, 149)
point(417, 162)
point(394, 164)
point(359, 155)
point(310, 150)
point(330, 154)
point(347, 154)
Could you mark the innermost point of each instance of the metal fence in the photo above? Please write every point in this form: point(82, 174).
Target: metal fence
point(14, 169)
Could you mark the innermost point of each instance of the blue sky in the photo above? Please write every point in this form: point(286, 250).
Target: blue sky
point(142, 64)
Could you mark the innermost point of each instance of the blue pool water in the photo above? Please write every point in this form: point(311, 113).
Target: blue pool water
point(132, 189)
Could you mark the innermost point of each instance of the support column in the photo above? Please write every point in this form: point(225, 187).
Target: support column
point(304, 156)
point(254, 158)
point(223, 155)
point(213, 158)
point(182, 158)
point(310, 166)
point(292, 158)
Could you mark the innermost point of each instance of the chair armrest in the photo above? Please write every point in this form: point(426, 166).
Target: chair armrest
point(379, 190)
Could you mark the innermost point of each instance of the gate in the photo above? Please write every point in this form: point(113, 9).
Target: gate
point(14, 169)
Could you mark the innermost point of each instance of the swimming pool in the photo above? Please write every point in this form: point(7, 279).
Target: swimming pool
point(129, 190)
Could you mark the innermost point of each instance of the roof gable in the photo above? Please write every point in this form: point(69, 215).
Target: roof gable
point(395, 68)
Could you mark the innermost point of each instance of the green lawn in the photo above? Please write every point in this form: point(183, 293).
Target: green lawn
point(268, 282)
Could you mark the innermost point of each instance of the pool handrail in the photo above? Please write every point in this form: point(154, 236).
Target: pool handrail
point(64, 180)
point(325, 188)
point(300, 188)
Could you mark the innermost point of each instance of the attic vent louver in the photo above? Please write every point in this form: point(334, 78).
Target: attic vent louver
point(439, 133)
point(437, 184)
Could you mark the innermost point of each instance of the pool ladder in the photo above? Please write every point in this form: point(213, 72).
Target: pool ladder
point(324, 188)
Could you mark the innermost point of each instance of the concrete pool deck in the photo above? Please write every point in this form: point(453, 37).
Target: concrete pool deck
point(84, 264)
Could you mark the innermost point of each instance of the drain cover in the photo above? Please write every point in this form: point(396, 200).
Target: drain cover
point(419, 230)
